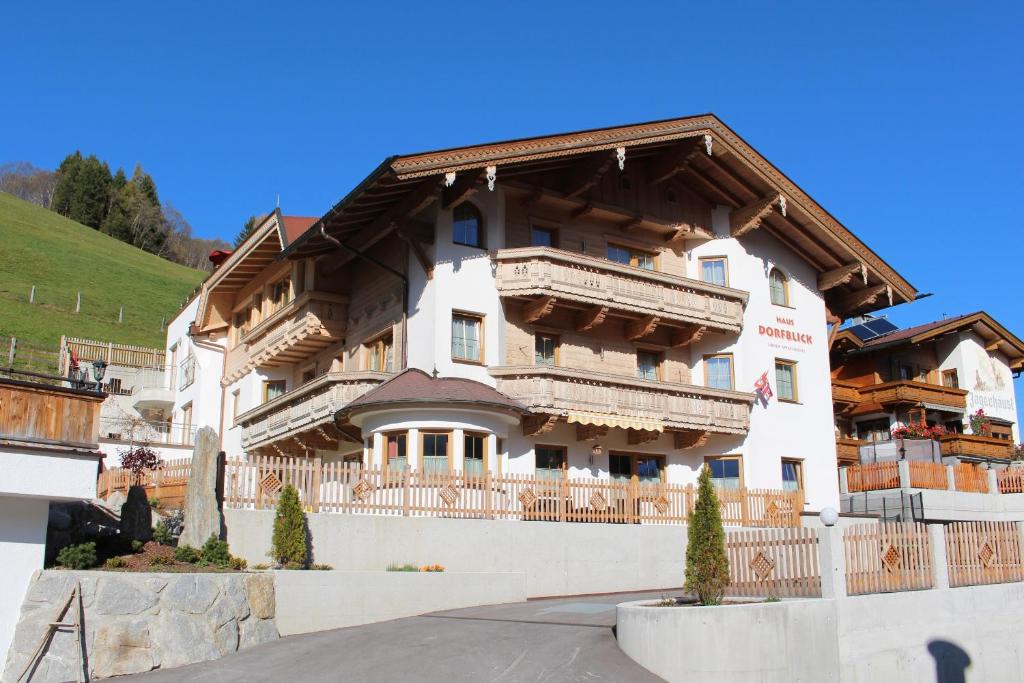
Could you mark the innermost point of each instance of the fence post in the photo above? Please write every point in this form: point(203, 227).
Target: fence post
point(950, 478)
point(317, 477)
point(940, 563)
point(832, 562)
point(563, 494)
point(488, 496)
point(903, 467)
point(10, 355)
point(405, 493)
point(993, 482)
point(844, 484)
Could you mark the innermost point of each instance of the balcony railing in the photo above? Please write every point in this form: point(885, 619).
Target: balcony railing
point(309, 323)
point(556, 391)
point(848, 449)
point(187, 372)
point(131, 430)
point(974, 445)
point(582, 279)
point(912, 392)
point(844, 392)
point(305, 407)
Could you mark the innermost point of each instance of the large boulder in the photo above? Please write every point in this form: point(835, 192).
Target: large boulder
point(136, 516)
point(202, 511)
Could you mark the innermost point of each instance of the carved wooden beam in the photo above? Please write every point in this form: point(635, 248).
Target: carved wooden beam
point(589, 173)
point(994, 346)
point(638, 329)
point(690, 335)
point(582, 211)
point(690, 439)
point(419, 252)
point(465, 186)
point(749, 217)
point(535, 310)
point(833, 332)
point(711, 189)
point(865, 297)
point(590, 432)
point(635, 437)
point(631, 224)
point(841, 276)
point(535, 425)
point(689, 232)
point(671, 162)
point(589, 319)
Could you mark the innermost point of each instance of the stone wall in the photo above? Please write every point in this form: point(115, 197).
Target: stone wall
point(137, 622)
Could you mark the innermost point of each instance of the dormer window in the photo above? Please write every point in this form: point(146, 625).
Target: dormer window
point(467, 226)
point(778, 285)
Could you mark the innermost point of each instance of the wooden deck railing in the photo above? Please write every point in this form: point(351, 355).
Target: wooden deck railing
point(983, 552)
point(973, 444)
point(167, 483)
point(351, 488)
point(970, 478)
point(1010, 480)
point(928, 475)
point(889, 556)
point(773, 563)
point(873, 477)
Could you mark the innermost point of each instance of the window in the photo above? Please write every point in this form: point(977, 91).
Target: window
point(543, 237)
point(186, 417)
point(300, 277)
point(1000, 431)
point(114, 385)
point(726, 472)
point(631, 257)
point(714, 270)
point(648, 363)
point(950, 379)
point(236, 399)
point(474, 454)
point(785, 380)
point(467, 338)
point(272, 389)
point(545, 349)
point(467, 226)
point(380, 354)
point(255, 311)
point(550, 461)
point(792, 475)
point(718, 371)
point(396, 455)
point(779, 287)
point(874, 430)
point(308, 375)
point(435, 451)
point(954, 427)
point(241, 323)
point(644, 467)
point(278, 295)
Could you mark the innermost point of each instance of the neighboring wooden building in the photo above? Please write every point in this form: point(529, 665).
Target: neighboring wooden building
point(940, 373)
point(654, 297)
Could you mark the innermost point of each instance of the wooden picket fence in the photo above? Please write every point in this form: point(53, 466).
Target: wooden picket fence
point(351, 488)
point(773, 563)
point(886, 557)
point(927, 475)
point(167, 483)
point(873, 477)
point(1010, 480)
point(970, 478)
point(983, 552)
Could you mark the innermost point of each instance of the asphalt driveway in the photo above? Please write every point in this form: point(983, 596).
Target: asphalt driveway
point(548, 641)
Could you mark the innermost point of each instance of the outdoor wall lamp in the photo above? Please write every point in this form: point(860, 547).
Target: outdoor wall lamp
point(99, 368)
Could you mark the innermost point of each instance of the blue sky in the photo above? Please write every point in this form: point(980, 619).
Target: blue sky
point(902, 119)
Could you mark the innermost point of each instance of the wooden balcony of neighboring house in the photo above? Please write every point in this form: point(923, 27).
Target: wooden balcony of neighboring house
point(976, 446)
point(598, 287)
point(908, 393)
point(593, 397)
point(303, 418)
point(844, 394)
point(48, 415)
point(848, 450)
point(304, 326)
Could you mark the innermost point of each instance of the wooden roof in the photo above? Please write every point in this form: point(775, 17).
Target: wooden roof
point(711, 158)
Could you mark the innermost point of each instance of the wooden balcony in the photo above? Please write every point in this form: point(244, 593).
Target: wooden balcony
point(558, 391)
point(587, 282)
point(848, 450)
point(977, 446)
point(305, 409)
point(844, 394)
point(908, 392)
point(303, 327)
point(49, 416)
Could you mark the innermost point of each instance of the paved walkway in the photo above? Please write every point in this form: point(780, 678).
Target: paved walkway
point(546, 641)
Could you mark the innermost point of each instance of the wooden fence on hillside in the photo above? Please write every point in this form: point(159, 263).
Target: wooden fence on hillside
point(168, 483)
point(889, 556)
point(351, 488)
point(983, 552)
point(773, 563)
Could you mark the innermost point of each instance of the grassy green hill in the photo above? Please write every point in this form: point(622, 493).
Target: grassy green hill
point(61, 258)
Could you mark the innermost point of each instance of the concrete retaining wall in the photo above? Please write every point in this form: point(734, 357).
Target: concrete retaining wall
point(139, 622)
point(319, 600)
point(912, 636)
point(557, 558)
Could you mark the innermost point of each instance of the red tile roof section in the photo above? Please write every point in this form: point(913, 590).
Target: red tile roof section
point(416, 386)
point(294, 226)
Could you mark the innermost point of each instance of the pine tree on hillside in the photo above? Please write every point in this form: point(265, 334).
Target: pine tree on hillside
point(707, 566)
point(246, 230)
point(83, 189)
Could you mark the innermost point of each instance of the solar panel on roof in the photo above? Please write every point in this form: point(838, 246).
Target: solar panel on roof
point(870, 329)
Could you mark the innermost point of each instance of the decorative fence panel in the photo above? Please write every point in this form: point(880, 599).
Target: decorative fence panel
point(983, 552)
point(873, 477)
point(928, 475)
point(1010, 480)
point(885, 557)
point(970, 478)
point(351, 488)
point(773, 562)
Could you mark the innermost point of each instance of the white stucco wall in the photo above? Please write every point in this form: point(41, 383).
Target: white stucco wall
point(987, 378)
point(47, 475)
point(22, 547)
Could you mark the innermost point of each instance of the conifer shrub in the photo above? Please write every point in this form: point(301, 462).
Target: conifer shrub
point(187, 554)
point(289, 540)
point(215, 552)
point(707, 566)
point(81, 556)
